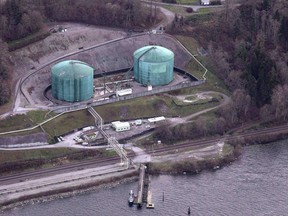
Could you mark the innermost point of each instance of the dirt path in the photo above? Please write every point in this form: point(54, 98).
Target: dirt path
point(181, 120)
point(168, 18)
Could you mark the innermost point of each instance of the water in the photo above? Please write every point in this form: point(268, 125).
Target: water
point(255, 185)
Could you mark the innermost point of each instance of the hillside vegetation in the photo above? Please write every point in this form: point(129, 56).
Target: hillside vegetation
point(25, 21)
point(248, 47)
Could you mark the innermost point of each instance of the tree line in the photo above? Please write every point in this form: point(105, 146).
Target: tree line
point(18, 21)
point(22, 18)
point(123, 13)
point(248, 47)
point(19, 18)
point(4, 74)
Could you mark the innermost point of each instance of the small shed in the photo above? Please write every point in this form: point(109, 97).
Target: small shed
point(138, 122)
point(156, 119)
point(205, 2)
point(123, 92)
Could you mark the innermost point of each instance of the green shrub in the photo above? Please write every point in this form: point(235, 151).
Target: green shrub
point(189, 10)
point(26, 41)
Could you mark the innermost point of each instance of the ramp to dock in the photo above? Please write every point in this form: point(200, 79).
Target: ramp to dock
point(141, 186)
point(150, 203)
point(144, 189)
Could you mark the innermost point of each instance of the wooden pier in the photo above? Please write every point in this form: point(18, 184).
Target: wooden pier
point(144, 189)
point(150, 204)
point(141, 186)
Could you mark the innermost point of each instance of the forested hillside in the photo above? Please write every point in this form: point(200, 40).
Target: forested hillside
point(123, 13)
point(22, 18)
point(19, 18)
point(4, 73)
point(18, 21)
point(248, 47)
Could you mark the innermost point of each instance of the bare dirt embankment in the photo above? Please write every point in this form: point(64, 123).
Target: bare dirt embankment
point(59, 44)
point(112, 56)
point(78, 37)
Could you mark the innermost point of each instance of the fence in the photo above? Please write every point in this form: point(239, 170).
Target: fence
point(136, 95)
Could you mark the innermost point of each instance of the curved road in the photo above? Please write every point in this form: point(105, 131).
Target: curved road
point(180, 120)
point(168, 19)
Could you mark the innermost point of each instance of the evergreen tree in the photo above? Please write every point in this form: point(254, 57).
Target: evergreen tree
point(260, 76)
point(283, 32)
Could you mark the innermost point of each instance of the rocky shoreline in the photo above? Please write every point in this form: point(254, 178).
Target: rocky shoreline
point(63, 195)
point(25, 192)
point(186, 166)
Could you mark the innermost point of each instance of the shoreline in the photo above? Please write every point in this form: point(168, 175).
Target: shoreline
point(70, 188)
point(192, 166)
point(188, 166)
point(56, 196)
point(54, 186)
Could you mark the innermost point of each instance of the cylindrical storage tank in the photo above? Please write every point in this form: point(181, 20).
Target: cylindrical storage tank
point(153, 65)
point(72, 81)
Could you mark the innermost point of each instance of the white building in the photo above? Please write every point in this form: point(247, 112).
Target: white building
point(121, 126)
point(205, 2)
point(156, 119)
point(88, 128)
point(138, 122)
point(123, 92)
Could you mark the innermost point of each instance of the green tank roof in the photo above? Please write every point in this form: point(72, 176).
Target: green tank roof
point(155, 54)
point(71, 69)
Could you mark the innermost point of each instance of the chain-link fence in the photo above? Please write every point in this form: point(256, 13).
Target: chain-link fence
point(127, 97)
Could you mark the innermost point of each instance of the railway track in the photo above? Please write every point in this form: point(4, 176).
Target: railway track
point(91, 163)
point(212, 141)
point(56, 181)
point(58, 169)
point(112, 160)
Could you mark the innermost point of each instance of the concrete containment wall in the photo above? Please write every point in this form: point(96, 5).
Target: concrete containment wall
point(112, 100)
point(108, 57)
